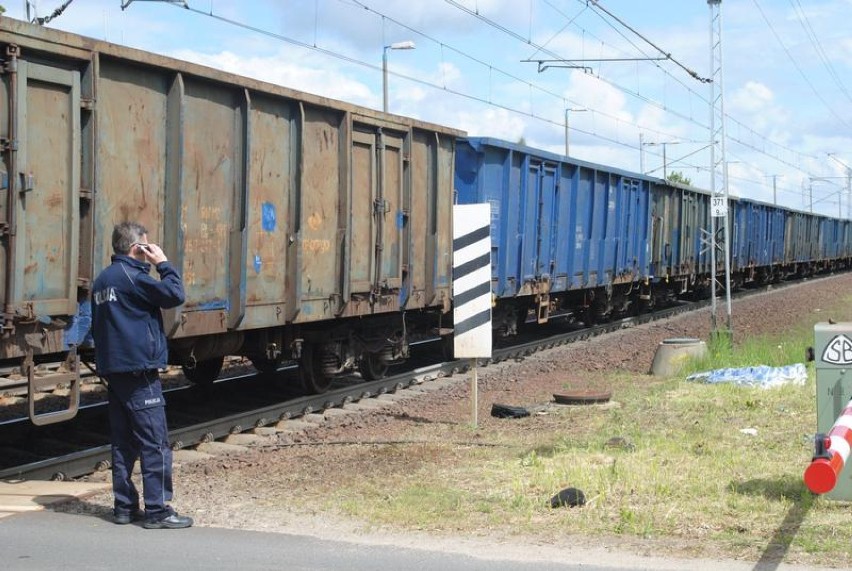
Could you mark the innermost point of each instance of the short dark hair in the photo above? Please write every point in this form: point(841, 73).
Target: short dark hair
point(126, 234)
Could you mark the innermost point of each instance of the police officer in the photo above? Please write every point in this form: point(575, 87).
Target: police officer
point(130, 347)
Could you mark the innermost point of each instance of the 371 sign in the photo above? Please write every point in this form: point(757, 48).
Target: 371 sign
point(719, 206)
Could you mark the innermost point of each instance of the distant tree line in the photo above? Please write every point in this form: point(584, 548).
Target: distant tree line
point(679, 177)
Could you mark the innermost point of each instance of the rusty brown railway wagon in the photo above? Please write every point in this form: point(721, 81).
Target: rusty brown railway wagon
point(305, 228)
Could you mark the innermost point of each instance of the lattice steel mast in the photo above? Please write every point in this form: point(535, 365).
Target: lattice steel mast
point(718, 166)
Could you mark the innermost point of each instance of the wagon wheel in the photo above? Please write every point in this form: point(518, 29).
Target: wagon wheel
point(314, 380)
point(643, 306)
point(372, 367)
point(265, 365)
point(595, 313)
point(448, 348)
point(204, 372)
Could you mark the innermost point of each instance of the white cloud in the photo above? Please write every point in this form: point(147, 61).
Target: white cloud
point(765, 93)
point(282, 70)
point(491, 122)
point(753, 97)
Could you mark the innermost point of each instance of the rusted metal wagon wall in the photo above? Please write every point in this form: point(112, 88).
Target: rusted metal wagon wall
point(283, 211)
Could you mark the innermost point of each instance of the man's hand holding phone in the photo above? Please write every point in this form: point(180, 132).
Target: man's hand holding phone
point(152, 252)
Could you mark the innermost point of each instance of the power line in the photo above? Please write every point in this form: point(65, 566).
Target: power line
point(417, 80)
point(812, 36)
point(55, 14)
point(555, 55)
point(464, 54)
point(596, 4)
point(421, 81)
point(637, 95)
point(796, 65)
point(703, 99)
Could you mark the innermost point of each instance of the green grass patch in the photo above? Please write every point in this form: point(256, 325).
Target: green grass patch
point(716, 467)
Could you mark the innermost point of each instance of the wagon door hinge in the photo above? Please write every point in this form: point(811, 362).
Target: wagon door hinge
point(380, 206)
point(7, 327)
point(7, 144)
point(10, 65)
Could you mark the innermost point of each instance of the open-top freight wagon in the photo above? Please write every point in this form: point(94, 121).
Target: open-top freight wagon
point(588, 242)
point(304, 228)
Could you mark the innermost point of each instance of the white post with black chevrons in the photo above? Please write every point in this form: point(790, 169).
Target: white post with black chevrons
point(472, 287)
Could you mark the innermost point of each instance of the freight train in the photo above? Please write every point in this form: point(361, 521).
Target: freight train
point(312, 230)
point(590, 242)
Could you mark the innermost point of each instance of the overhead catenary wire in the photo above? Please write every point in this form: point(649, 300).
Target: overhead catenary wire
point(488, 100)
point(529, 113)
point(798, 67)
point(413, 79)
point(702, 98)
point(596, 4)
point(557, 56)
point(639, 96)
point(506, 73)
point(55, 14)
point(814, 39)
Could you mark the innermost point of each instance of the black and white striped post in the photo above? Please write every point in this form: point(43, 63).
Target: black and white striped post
point(472, 288)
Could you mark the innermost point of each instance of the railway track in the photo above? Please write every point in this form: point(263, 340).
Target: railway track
point(244, 402)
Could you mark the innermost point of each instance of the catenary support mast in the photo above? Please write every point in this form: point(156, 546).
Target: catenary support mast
point(718, 168)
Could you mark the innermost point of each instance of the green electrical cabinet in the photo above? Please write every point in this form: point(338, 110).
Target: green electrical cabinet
point(833, 356)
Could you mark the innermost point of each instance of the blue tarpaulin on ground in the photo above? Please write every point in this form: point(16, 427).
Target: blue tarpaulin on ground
point(760, 376)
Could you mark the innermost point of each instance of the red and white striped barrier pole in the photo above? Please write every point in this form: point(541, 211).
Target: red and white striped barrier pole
point(830, 454)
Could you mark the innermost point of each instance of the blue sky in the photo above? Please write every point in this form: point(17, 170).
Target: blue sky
point(787, 73)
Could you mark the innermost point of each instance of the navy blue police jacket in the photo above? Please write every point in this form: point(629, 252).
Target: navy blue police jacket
point(127, 324)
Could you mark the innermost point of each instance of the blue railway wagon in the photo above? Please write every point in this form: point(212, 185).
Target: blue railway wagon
point(830, 235)
point(813, 241)
point(567, 236)
point(744, 233)
point(757, 239)
point(793, 238)
point(304, 228)
point(845, 239)
point(775, 231)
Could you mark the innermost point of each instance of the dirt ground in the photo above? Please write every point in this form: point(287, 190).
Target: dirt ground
point(247, 488)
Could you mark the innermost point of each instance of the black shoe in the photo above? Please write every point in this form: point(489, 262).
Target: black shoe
point(173, 521)
point(123, 518)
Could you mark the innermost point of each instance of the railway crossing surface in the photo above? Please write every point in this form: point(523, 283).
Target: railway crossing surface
point(37, 537)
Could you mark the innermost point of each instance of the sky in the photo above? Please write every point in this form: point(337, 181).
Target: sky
point(498, 68)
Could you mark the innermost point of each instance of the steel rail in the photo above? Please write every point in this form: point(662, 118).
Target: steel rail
point(83, 462)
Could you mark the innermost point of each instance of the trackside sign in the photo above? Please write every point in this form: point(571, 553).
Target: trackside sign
point(838, 351)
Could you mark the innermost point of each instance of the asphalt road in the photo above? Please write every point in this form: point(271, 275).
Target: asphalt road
point(54, 540)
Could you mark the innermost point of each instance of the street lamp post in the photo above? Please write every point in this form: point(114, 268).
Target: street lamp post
point(774, 187)
point(567, 109)
point(839, 193)
point(407, 45)
point(643, 144)
point(848, 183)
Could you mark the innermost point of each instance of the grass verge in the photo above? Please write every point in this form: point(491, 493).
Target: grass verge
point(694, 469)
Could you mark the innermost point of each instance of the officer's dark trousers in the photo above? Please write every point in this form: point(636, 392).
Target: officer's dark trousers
point(137, 415)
